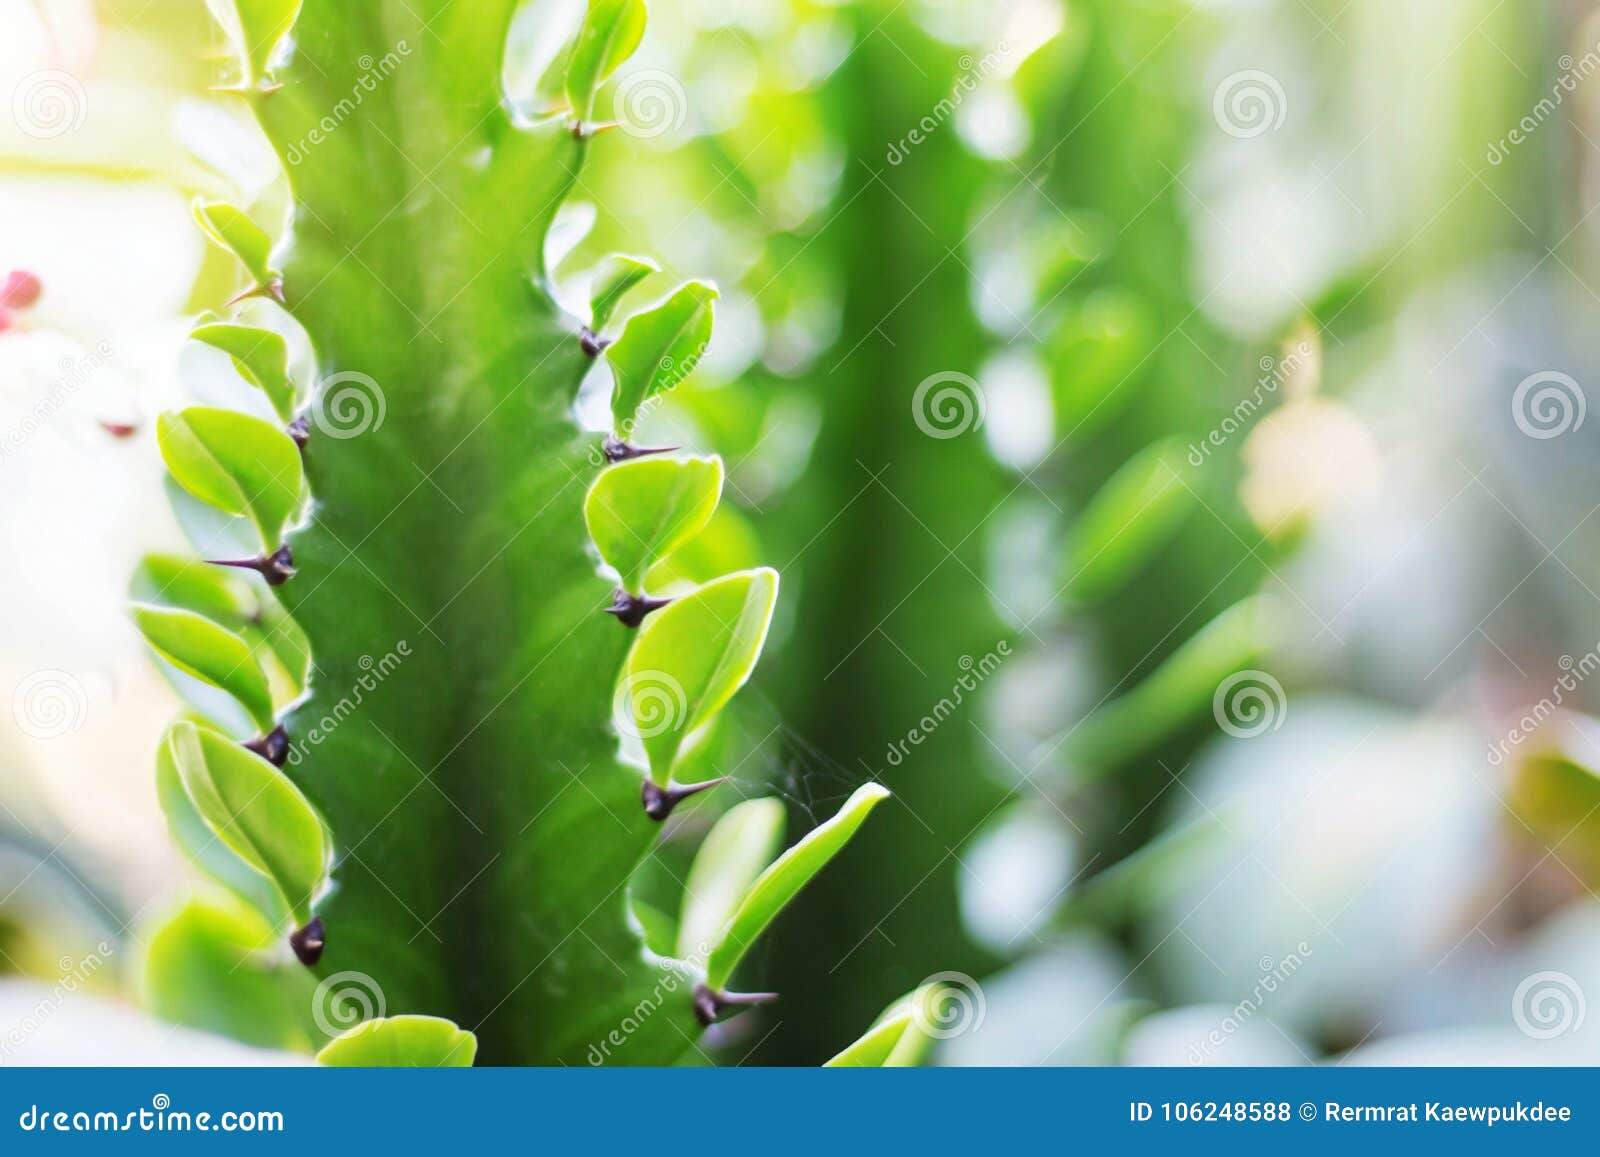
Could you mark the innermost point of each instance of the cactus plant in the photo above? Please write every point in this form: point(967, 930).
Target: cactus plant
point(456, 822)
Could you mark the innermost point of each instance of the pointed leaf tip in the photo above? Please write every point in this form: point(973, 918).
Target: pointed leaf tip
point(612, 30)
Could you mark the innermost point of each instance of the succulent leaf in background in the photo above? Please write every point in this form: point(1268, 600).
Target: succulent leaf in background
point(449, 760)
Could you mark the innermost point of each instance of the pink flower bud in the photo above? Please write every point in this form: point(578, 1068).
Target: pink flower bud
point(20, 289)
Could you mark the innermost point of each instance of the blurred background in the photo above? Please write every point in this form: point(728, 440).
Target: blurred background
point(1169, 419)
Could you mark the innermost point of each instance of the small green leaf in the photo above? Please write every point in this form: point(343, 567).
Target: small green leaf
point(230, 227)
point(402, 1042)
point(256, 811)
point(782, 881)
point(611, 31)
point(236, 463)
point(1130, 518)
point(257, 26)
point(260, 355)
point(733, 854)
point(211, 653)
point(690, 658)
point(187, 583)
point(658, 349)
point(640, 511)
point(616, 275)
point(897, 1039)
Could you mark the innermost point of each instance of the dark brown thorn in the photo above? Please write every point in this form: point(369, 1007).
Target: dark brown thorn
point(277, 568)
point(591, 342)
point(272, 747)
point(308, 942)
point(299, 430)
point(631, 609)
point(709, 1004)
point(659, 801)
point(616, 450)
point(272, 289)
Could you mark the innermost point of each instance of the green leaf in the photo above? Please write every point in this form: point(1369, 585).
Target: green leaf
point(402, 1042)
point(611, 31)
point(642, 510)
point(254, 809)
point(732, 856)
point(230, 227)
point(782, 881)
point(257, 26)
point(1131, 517)
point(211, 653)
point(659, 348)
point(898, 1038)
point(618, 274)
point(189, 584)
point(236, 463)
point(260, 355)
point(690, 658)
